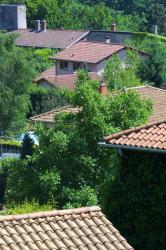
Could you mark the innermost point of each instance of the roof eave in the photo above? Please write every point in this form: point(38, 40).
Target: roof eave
point(118, 146)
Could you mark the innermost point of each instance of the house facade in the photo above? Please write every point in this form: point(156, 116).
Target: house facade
point(89, 55)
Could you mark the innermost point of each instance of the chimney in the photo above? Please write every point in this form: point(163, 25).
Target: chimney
point(37, 25)
point(154, 29)
point(44, 25)
point(103, 89)
point(113, 27)
point(107, 39)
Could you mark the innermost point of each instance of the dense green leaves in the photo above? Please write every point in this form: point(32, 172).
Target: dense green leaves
point(135, 199)
point(119, 74)
point(16, 74)
point(68, 164)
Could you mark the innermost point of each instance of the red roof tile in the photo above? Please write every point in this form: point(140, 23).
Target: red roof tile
point(58, 39)
point(49, 117)
point(63, 81)
point(151, 136)
point(91, 52)
point(158, 97)
point(81, 228)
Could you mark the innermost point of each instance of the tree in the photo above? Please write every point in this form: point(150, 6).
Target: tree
point(46, 99)
point(68, 162)
point(119, 74)
point(154, 68)
point(134, 200)
point(16, 74)
point(27, 146)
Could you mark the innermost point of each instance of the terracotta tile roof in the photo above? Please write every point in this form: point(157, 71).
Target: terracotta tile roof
point(82, 228)
point(63, 81)
point(49, 117)
point(91, 52)
point(158, 97)
point(151, 136)
point(57, 39)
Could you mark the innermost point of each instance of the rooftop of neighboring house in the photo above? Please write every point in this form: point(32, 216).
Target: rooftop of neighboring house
point(158, 98)
point(64, 81)
point(157, 95)
point(150, 137)
point(56, 39)
point(80, 228)
point(90, 52)
point(49, 117)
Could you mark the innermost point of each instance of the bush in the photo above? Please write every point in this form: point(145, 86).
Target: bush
point(135, 199)
point(26, 207)
point(45, 99)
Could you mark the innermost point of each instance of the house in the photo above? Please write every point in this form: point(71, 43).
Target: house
point(48, 118)
point(83, 54)
point(89, 55)
point(48, 38)
point(158, 98)
point(157, 95)
point(13, 19)
point(80, 228)
point(149, 138)
point(49, 78)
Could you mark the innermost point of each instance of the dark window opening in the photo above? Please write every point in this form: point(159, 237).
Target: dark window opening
point(76, 66)
point(64, 65)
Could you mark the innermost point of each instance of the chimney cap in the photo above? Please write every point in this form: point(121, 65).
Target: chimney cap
point(44, 25)
point(103, 89)
point(113, 27)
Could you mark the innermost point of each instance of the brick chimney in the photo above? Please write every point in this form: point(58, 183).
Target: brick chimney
point(44, 25)
point(103, 89)
point(113, 27)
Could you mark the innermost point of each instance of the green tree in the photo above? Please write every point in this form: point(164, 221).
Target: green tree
point(119, 74)
point(134, 200)
point(16, 74)
point(154, 68)
point(27, 146)
point(68, 162)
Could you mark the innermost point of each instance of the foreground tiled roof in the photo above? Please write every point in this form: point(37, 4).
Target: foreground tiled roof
point(91, 52)
point(82, 228)
point(49, 117)
point(158, 97)
point(63, 81)
point(58, 39)
point(151, 137)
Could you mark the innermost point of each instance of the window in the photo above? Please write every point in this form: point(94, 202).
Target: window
point(64, 65)
point(76, 66)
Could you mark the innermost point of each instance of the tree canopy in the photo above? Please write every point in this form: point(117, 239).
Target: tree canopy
point(16, 74)
point(68, 164)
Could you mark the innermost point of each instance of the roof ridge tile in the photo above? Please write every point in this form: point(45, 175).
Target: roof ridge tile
point(49, 213)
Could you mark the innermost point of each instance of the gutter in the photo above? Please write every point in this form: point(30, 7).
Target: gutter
point(150, 150)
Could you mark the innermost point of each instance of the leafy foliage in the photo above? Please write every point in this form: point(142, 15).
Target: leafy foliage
point(26, 207)
point(39, 58)
point(16, 74)
point(119, 74)
point(154, 68)
point(135, 199)
point(27, 146)
point(68, 164)
point(72, 14)
point(45, 99)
